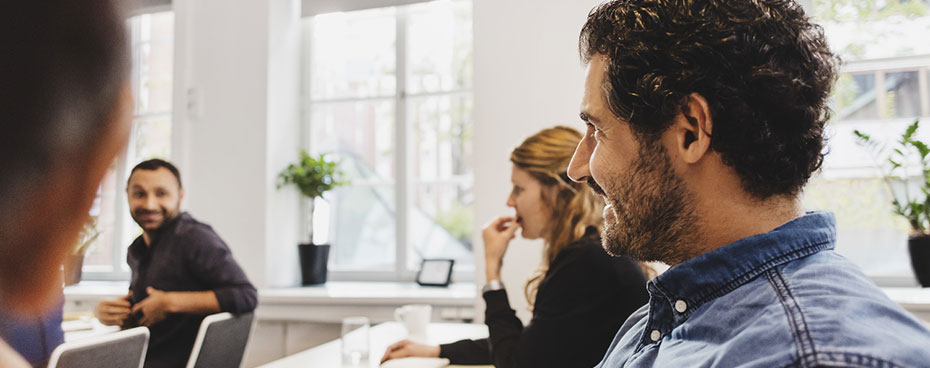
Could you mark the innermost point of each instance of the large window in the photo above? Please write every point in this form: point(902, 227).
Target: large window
point(152, 37)
point(881, 90)
point(389, 94)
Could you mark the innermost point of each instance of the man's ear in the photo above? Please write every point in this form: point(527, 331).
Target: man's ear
point(693, 129)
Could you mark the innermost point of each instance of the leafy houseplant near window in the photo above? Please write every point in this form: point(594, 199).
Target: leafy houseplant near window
point(74, 263)
point(914, 206)
point(313, 177)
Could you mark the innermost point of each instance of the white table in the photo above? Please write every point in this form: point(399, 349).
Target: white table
point(330, 354)
point(84, 328)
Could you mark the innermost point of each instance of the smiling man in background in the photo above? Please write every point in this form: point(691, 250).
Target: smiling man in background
point(181, 269)
point(705, 121)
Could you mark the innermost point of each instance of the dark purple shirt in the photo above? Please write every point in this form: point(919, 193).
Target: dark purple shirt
point(185, 255)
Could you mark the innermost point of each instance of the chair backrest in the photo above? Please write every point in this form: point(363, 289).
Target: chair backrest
point(221, 341)
point(123, 349)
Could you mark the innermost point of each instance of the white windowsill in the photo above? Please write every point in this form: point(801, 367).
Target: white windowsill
point(367, 293)
point(333, 292)
point(327, 303)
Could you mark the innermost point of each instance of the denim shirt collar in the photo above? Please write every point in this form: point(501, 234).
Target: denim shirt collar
point(685, 287)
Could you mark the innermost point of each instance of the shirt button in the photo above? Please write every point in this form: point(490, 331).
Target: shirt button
point(656, 335)
point(681, 306)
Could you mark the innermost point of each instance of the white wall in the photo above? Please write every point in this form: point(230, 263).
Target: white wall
point(528, 76)
point(237, 124)
point(283, 218)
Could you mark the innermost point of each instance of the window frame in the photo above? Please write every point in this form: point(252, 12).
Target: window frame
point(120, 270)
point(403, 183)
point(879, 68)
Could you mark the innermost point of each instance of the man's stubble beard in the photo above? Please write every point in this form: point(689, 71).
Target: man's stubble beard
point(166, 217)
point(655, 218)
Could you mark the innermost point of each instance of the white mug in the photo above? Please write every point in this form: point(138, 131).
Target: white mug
point(414, 317)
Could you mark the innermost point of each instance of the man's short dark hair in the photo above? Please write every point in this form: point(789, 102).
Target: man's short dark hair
point(64, 66)
point(764, 68)
point(155, 164)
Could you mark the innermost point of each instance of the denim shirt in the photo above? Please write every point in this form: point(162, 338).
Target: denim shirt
point(779, 299)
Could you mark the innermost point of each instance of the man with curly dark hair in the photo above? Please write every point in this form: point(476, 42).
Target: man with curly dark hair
point(705, 120)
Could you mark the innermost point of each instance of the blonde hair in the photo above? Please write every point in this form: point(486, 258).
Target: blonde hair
point(545, 156)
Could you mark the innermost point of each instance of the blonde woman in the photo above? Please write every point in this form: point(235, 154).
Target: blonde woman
point(580, 296)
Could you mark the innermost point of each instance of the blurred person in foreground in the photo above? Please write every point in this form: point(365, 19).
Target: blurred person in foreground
point(66, 112)
point(705, 119)
point(580, 296)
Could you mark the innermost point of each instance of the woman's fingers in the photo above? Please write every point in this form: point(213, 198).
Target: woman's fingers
point(388, 354)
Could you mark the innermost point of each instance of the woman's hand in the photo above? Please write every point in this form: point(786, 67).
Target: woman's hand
point(407, 348)
point(497, 236)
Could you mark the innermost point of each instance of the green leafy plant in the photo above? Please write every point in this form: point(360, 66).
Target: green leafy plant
point(88, 235)
point(914, 207)
point(313, 177)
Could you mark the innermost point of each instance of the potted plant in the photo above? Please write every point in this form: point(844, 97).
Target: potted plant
point(74, 263)
point(912, 205)
point(313, 177)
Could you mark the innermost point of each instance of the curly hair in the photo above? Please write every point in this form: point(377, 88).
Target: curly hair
point(764, 68)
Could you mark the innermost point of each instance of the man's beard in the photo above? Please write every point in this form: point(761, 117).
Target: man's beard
point(654, 211)
point(166, 217)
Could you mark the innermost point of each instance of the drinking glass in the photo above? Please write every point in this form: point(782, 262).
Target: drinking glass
point(355, 341)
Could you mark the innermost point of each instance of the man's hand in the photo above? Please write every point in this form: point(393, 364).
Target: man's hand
point(407, 348)
point(113, 312)
point(154, 308)
point(497, 236)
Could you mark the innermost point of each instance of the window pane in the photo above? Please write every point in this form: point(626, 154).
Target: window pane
point(902, 94)
point(99, 256)
point(152, 38)
point(353, 54)
point(441, 224)
point(153, 60)
point(361, 132)
point(875, 29)
point(439, 46)
point(874, 38)
point(352, 116)
point(129, 232)
point(441, 221)
point(855, 97)
point(362, 234)
point(151, 138)
point(363, 214)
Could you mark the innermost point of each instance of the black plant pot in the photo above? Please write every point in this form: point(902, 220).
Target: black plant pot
point(919, 246)
point(313, 260)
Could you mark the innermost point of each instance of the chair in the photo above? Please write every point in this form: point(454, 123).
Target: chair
point(122, 349)
point(221, 341)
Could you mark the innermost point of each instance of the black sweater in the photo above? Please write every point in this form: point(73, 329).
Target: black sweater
point(583, 299)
